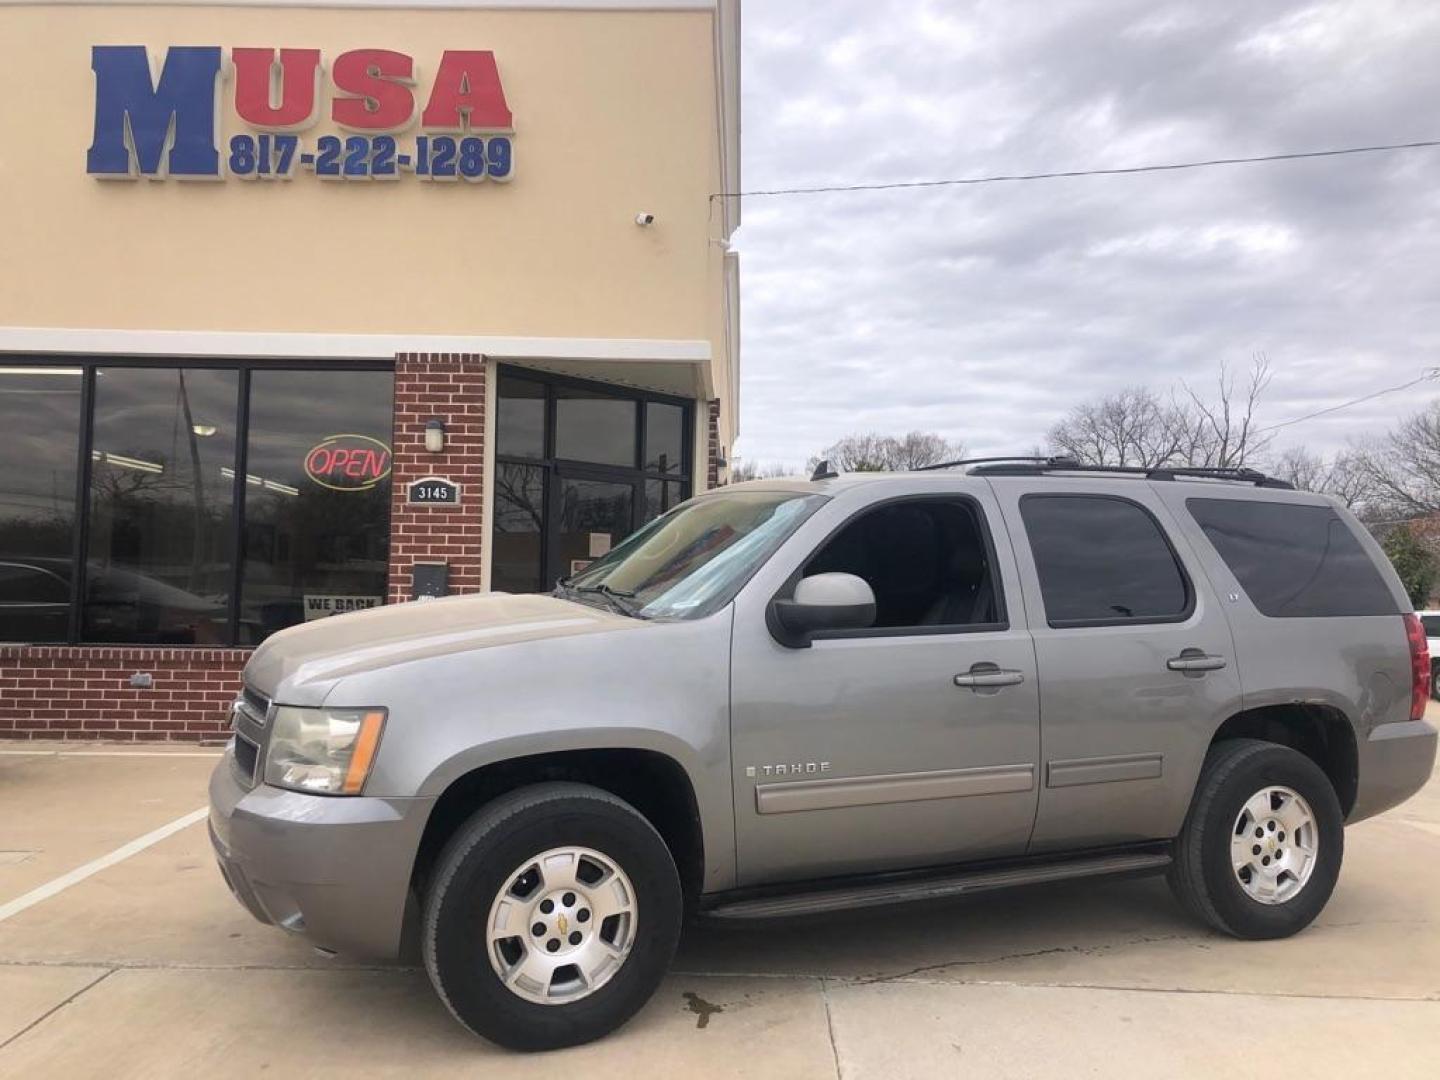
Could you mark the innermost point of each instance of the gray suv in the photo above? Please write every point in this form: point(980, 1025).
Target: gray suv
point(790, 697)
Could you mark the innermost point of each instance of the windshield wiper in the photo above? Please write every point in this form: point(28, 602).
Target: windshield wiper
point(617, 599)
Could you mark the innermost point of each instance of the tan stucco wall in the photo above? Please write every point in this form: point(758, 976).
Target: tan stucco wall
point(614, 113)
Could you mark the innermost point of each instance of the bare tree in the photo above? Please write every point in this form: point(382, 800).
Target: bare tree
point(889, 453)
point(1138, 427)
point(754, 470)
point(1224, 429)
point(1403, 465)
point(1132, 427)
point(1344, 476)
point(917, 449)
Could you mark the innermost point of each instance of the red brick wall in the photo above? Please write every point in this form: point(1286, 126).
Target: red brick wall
point(712, 462)
point(452, 387)
point(84, 692)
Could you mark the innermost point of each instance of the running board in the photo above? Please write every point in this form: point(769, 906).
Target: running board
point(960, 883)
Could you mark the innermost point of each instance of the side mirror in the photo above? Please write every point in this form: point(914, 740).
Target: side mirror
point(822, 602)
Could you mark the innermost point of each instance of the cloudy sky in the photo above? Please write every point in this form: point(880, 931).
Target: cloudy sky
point(985, 312)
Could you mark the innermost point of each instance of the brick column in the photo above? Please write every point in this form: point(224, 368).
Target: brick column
point(450, 386)
point(712, 463)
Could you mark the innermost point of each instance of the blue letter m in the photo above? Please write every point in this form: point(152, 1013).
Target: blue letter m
point(134, 117)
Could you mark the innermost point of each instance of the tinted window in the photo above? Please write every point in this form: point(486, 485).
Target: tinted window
point(519, 526)
point(520, 418)
point(664, 437)
point(1294, 560)
point(1102, 560)
point(161, 476)
point(317, 497)
point(927, 562)
point(1431, 624)
point(39, 451)
point(593, 426)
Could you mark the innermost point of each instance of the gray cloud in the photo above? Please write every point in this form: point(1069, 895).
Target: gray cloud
point(985, 312)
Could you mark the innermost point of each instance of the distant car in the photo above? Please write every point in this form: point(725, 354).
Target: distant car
point(1430, 620)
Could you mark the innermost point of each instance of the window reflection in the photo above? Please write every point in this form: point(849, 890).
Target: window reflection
point(317, 497)
point(519, 523)
point(664, 438)
point(39, 440)
point(159, 561)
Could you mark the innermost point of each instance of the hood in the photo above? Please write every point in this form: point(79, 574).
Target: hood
point(309, 658)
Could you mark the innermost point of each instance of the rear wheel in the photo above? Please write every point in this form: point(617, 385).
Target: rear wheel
point(1260, 851)
point(552, 917)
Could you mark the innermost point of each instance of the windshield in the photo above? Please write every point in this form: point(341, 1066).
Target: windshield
point(694, 559)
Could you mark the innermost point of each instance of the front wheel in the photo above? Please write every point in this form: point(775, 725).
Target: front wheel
point(551, 917)
point(1260, 850)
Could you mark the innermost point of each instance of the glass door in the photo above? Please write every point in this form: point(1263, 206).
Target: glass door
point(591, 513)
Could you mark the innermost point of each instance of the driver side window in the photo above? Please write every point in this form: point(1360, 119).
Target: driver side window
point(928, 561)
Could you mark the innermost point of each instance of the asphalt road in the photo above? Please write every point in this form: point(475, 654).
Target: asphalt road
point(148, 968)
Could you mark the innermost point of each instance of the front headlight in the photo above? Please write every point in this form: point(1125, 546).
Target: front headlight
point(327, 751)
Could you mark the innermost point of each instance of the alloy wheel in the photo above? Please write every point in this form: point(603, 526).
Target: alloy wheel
point(1274, 845)
point(562, 925)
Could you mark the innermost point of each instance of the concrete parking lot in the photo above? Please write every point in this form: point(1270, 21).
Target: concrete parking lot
point(146, 967)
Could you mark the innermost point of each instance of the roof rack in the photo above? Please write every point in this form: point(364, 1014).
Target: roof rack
point(1040, 466)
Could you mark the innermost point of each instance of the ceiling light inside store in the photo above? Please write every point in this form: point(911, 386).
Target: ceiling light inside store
point(204, 430)
point(260, 482)
point(120, 461)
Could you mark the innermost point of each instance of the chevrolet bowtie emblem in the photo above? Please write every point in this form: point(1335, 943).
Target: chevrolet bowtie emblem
point(562, 924)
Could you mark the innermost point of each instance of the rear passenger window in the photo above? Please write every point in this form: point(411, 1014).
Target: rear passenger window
point(1102, 561)
point(1294, 560)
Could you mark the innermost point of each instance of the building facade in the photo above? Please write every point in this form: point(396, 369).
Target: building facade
point(313, 306)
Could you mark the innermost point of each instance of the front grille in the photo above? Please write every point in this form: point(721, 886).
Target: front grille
point(247, 757)
point(257, 703)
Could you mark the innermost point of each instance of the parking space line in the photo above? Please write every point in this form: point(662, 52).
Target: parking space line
point(109, 753)
point(80, 873)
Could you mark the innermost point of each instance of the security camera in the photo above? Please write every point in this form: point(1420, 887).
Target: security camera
point(644, 218)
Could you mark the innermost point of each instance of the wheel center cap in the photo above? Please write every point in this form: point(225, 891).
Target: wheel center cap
point(562, 924)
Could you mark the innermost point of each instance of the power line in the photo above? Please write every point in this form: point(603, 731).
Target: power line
point(1070, 173)
point(1430, 373)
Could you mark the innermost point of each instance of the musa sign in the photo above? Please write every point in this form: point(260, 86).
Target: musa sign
point(162, 120)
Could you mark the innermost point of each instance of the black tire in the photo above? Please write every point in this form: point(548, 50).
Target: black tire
point(474, 867)
point(1202, 877)
point(1435, 681)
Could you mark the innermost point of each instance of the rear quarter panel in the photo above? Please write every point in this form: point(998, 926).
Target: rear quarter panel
point(1359, 665)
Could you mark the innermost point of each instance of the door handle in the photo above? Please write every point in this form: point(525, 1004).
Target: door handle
point(1193, 661)
point(988, 676)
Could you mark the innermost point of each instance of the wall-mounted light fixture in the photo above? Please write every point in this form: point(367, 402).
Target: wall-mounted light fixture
point(434, 435)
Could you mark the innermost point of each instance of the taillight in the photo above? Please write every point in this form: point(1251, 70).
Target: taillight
point(1419, 666)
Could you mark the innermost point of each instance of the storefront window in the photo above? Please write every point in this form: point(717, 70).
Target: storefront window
point(570, 481)
point(594, 426)
point(160, 527)
point(161, 446)
point(519, 522)
point(39, 440)
point(662, 495)
point(317, 497)
point(664, 437)
point(520, 418)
